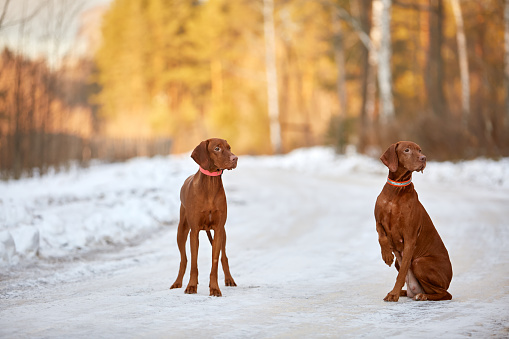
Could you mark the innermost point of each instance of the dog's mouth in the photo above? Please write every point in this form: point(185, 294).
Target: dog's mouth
point(230, 166)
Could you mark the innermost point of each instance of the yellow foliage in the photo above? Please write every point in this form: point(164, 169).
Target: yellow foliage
point(194, 69)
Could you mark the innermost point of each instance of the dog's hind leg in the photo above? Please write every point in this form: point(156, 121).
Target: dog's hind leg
point(434, 279)
point(182, 233)
point(228, 279)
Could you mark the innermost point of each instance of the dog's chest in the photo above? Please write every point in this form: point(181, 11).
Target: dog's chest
point(396, 218)
point(209, 219)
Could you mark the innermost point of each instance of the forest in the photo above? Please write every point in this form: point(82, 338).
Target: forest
point(267, 75)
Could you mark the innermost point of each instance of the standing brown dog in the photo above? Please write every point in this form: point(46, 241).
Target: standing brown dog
point(203, 207)
point(405, 229)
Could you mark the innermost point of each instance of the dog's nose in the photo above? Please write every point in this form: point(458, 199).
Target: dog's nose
point(422, 158)
point(234, 158)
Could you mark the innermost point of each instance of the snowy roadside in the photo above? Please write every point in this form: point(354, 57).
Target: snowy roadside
point(302, 248)
point(324, 161)
point(106, 204)
point(72, 213)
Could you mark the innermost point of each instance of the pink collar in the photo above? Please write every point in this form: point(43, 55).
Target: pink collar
point(399, 183)
point(211, 174)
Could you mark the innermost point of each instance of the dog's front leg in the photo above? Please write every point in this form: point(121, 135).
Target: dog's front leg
point(406, 260)
point(192, 287)
point(216, 249)
point(385, 245)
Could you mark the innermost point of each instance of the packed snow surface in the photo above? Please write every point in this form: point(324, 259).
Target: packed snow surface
point(92, 252)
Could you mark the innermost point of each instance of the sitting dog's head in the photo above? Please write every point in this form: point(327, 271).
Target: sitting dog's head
point(405, 154)
point(214, 154)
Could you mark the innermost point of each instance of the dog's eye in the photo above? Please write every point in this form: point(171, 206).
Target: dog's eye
point(407, 150)
point(217, 149)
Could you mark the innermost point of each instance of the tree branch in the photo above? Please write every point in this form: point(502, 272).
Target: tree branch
point(19, 21)
point(4, 12)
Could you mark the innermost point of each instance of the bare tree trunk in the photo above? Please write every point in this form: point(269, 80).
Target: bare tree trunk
point(463, 60)
point(506, 59)
point(361, 10)
point(384, 66)
point(339, 56)
point(375, 37)
point(271, 73)
point(434, 78)
point(19, 153)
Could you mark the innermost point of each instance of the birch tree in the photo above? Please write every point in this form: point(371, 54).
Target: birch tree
point(373, 50)
point(385, 53)
point(463, 60)
point(380, 61)
point(271, 73)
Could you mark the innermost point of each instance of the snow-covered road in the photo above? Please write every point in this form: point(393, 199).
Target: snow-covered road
point(302, 248)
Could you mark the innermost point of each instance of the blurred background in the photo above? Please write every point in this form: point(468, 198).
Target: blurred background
point(114, 79)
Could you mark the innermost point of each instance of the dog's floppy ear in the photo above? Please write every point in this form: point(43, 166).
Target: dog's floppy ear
point(201, 155)
point(390, 158)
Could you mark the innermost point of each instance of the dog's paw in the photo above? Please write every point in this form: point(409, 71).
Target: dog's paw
point(215, 292)
point(191, 289)
point(176, 284)
point(388, 257)
point(420, 297)
point(391, 296)
point(229, 282)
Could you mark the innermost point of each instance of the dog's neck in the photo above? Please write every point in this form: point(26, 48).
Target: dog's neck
point(211, 174)
point(399, 183)
point(400, 178)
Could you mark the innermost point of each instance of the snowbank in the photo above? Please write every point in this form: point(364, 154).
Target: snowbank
point(120, 204)
point(324, 161)
point(109, 204)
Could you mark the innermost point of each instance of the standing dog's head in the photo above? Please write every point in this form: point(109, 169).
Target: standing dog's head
point(405, 154)
point(214, 154)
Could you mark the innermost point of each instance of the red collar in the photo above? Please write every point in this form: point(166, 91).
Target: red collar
point(399, 183)
point(211, 174)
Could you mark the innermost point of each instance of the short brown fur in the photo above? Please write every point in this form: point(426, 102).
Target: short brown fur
point(406, 231)
point(203, 207)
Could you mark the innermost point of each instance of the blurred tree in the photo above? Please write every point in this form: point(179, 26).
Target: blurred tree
point(181, 64)
point(463, 61)
point(338, 41)
point(194, 69)
point(4, 23)
point(435, 68)
point(506, 61)
point(271, 71)
point(383, 16)
point(361, 14)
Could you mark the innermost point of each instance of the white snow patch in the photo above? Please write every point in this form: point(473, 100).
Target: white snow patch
point(7, 247)
point(302, 247)
point(116, 204)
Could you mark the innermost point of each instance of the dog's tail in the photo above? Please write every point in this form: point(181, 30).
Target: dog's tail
point(210, 236)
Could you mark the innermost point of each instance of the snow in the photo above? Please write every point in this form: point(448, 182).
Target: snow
point(92, 252)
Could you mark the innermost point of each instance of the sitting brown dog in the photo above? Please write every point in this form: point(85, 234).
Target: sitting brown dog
point(405, 229)
point(203, 207)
